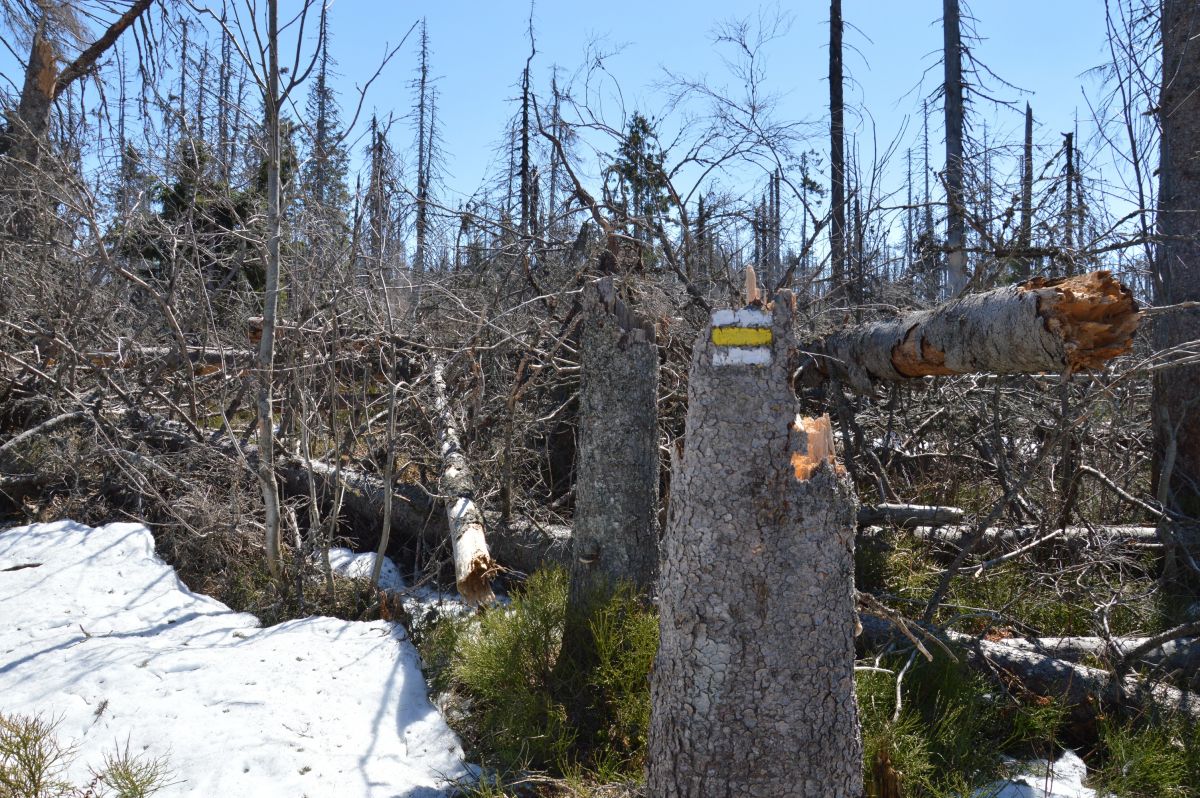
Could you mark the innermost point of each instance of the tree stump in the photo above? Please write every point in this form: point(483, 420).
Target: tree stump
point(616, 483)
point(753, 687)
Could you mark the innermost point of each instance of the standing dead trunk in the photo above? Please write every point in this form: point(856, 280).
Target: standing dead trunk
point(1025, 238)
point(956, 256)
point(753, 688)
point(266, 346)
point(1038, 326)
point(616, 483)
point(473, 566)
point(837, 151)
point(1177, 266)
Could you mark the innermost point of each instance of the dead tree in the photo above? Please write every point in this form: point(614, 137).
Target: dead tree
point(837, 150)
point(616, 483)
point(956, 256)
point(753, 687)
point(1062, 325)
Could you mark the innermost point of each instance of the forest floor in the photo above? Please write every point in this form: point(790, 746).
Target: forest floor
point(104, 641)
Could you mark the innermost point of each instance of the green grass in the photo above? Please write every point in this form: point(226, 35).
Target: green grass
point(952, 727)
point(1161, 761)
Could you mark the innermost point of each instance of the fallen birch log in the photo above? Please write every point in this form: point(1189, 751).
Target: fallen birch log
point(995, 537)
point(1063, 325)
point(1181, 654)
point(909, 515)
point(1088, 692)
point(473, 564)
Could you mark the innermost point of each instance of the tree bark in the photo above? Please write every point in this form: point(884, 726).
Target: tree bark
point(473, 565)
point(616, 482)
point(1177, 265)
point(753, 688)
point(1041, 325)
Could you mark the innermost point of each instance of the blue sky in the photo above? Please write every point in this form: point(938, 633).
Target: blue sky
point(892, 62)
point(479, 49)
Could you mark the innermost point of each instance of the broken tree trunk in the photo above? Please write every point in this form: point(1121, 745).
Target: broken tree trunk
point(752, 692)
point(1041, 325)
point(616, 481)
point(473, 565)
point(1087, 692)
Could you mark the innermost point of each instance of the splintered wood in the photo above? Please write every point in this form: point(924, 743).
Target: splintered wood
point(1094, 314)
point(819, 447)
point(473, 564)
point(1040, 326)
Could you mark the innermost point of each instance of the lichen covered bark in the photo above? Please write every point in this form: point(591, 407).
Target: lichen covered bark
point(616, 486)
point(1041, 325)
point(753, 686)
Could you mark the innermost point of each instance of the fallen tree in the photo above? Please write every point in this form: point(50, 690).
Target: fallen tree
point(909, 515)
point(1062, 325)
point(999, 537)
point(1088, 692)
point(1181, 654)
point(473, 564)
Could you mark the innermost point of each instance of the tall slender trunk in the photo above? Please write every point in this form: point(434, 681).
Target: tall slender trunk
point(422, 221)
point(526, 210)
point(956, 259)
point(1177, 263)
point(1069, 209)
point(225, 80)
point(266, 349)
point(1025, 237)
point(837, 152)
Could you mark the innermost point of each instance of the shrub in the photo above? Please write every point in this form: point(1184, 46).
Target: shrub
point(527, 699)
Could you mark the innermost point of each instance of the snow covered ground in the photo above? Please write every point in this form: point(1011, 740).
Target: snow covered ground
point(101, 635)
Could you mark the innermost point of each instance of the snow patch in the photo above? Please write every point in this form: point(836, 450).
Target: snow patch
point(1040, 778)
point(356, 565)
point(102, 635)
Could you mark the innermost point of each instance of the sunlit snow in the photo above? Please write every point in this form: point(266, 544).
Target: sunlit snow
point(101, 635)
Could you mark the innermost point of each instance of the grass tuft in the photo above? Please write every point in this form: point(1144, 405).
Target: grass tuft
point(34, 761)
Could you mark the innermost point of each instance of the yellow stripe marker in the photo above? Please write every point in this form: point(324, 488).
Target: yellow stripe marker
point(741, 336)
